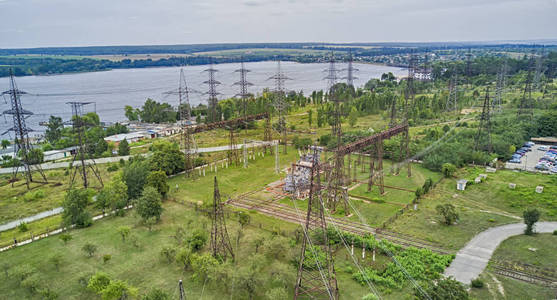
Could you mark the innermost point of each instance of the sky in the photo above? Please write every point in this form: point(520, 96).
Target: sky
point(49, 23)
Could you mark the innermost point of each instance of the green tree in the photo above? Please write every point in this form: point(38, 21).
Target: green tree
point(65, 237)
point(34, 156)
point(56, 261)
point(5, 144)
point(54, 128)
point(123, 148)
point(448, 212)
point(531, 216)
point(166, 157)
point(169, 253)
point(75, 205)
point(113, 195)
point(197, 239)
point(89, 249)
point(118, 290)
point(131, 113)
point(98, 282)
point(353, 117)
point(158, 180)
point(444, 289)
point(135, 176)
point(244, 219)
point(448, 169)
point(203, 265)
point(184, 257)
point(149, 204)
point(310, 117)
point(124, 232)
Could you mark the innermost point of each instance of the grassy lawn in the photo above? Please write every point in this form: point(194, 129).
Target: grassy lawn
point(232, 181)
point(142, 266)
point(517, 248)
point(490, 203)
point(506, 288)
point(17, 202)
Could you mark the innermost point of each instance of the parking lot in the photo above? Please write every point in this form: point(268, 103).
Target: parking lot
point(528, 161)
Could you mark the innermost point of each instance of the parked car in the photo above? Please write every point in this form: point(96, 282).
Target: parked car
point(529, 144)
point(515, 161)
point(543, 148)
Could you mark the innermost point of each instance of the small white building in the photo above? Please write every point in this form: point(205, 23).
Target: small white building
point(539, 189)
point(461, 184)
point(478, 180)
point(512, 186)
point(59, 154)
point(130, 137)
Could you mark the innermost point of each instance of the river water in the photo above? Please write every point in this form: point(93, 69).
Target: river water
point(112, 90)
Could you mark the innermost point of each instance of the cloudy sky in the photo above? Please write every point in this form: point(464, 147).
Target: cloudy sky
point(37, 23)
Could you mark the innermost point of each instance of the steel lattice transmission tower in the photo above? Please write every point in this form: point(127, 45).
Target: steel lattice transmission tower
point(485, 126)
point(184, 112)
point(408, 97)
point(212, 112)
point(315, 281)
point(22, 146)
point(526, 105)
point(497, 103)
point(468, 65)
point(452, 99)
point(220, 242)
point(243, 84)
point(78, 124)
point(337, 179)
point(279, 103)
point(350, 70)
point(538, 70)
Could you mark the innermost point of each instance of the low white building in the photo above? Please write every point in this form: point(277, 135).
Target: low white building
point(461, 184)
point(130, 137)
point(59, 154)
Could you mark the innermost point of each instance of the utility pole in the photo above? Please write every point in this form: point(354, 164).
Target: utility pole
point(82, 151)
point(316, 281)
point(485, 125)
point(22, 146)
point(213, 102)
point(280, 103)
point(220, 242)
point(182, 294)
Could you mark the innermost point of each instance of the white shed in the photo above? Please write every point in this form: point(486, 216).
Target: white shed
point(461, 184)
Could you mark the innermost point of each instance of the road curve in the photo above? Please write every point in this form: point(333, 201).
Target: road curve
point(471, 260)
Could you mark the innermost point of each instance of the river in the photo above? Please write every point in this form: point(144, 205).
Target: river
point(112, 90)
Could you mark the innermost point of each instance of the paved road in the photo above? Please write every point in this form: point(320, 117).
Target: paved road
point(471, 260)
point(104, 160)
point(44, 214)
point(58, 165)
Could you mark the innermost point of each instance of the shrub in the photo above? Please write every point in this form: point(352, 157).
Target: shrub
point(156, 294)
point(106, 258)
point(65, 237)
point(32, 283)
point(124, 232)
point(89, 249)
point(448, 169)
point(554, 232)
point(21, 272)
point(48, 294)
point(197, 239)
point(370, 297)
point(98, 282)
point(477, 283)
point(112, 168)
point(23, 227)
point(448, 212)
point(169, 253)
